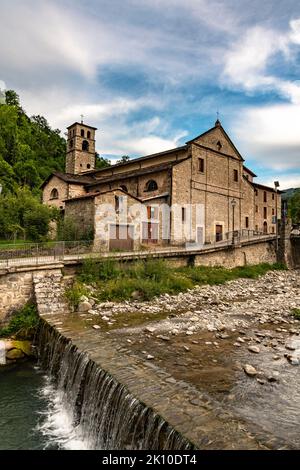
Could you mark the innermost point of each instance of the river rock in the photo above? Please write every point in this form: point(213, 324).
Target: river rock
point(223, 335)
point(84, 306)
point(150, 329)
point(14, 354)
point(254, 349)
point(97, 327)
point(164, 338)
point(260, 381)
point(149, 357)
point(250, 370)
point(290, 347)
point(273, 376)
point(136, 295)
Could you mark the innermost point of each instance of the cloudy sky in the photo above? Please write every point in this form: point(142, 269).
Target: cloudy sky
point(152, 74)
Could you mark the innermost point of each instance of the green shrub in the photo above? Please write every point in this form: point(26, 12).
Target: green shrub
point(23, 324)
point(152, 278)
point(74, 293)
point(93, 270)
point(296, 313)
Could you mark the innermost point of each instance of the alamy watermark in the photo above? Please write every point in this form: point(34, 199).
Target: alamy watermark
point(183, 223)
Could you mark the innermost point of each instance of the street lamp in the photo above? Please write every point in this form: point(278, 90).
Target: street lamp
point(276, 184)
point(233, 204)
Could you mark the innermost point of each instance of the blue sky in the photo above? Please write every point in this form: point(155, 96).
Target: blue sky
point(152, 74)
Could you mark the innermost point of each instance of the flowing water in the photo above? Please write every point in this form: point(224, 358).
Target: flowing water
point(89, 409)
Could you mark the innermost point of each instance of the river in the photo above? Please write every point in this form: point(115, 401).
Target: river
point(31, 413)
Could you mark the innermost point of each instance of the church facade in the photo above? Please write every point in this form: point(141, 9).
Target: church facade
point(199, 193)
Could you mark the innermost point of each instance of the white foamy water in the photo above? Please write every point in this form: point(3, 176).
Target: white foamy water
point(2, 353)
point(56, 423)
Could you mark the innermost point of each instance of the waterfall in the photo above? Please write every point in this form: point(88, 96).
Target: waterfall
point(2, 353)
point(108, 415)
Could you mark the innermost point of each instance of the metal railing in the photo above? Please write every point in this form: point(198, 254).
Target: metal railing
point(39, 253)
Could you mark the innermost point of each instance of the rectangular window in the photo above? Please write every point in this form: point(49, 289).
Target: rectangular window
point(201, 165)
point(273, 196)
point(265, 213)
point(247, 222)
point(265, 196)
point(219, 233)
point(256, 228)
point(151, 212)
point(118, 203)
point(256, 208)
point(273, 211)
point(235, 176)
point(183, 214)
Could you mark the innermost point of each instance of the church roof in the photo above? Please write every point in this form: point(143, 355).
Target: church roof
point(247, 170)
point(69, 178)
point(94, 194)
point(82, 124)
point(134, 173)
point(134, 160)
point(217, 125)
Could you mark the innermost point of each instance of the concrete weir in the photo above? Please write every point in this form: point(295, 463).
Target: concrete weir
point(123, 402)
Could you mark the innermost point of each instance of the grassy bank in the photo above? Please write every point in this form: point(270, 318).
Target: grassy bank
point(22, 324)
point(144, 280)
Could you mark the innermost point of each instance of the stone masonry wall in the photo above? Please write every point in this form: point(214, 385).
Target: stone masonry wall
point(16, 289)
point(240, 256)
point(46, 286)
point(49, 291)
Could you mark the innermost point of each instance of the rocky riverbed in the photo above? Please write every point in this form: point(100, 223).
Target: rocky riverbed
point(237, 304)
point(237, 343)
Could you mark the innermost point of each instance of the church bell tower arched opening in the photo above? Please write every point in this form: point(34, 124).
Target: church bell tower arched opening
point(81, 155)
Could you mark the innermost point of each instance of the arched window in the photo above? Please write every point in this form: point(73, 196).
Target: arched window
point(82, 133)
point(88, 134)
point(88, 166)
point(85, 146)
point(265, 227)
point(54, 194)
point(151, 186)
point(124, 188)
point(71, 144)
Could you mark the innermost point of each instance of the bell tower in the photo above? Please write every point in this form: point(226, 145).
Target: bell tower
point(80, 148)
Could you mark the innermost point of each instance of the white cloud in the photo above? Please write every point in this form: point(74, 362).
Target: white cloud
point(270, 135)
point(246, 64)
point(140, 139)
point(286, 181)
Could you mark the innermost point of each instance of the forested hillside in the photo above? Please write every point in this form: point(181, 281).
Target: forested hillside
point(29, 149)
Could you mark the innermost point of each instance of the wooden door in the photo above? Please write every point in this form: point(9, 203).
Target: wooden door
point(219, 233)
point(121, 237)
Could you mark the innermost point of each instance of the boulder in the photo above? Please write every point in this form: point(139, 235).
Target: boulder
point(84, 306)
point(254, 349)
point(250, 370)
point(15, 354)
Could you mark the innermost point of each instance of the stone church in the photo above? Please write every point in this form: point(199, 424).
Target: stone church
point(199, 193)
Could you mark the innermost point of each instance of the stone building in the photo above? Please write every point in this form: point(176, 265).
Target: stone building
point(198, 193)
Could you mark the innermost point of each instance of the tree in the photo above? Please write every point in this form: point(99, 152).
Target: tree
point(12, 98)
point(294, 207)
point(124, 159)
point(23, 215)
point(102, 162)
